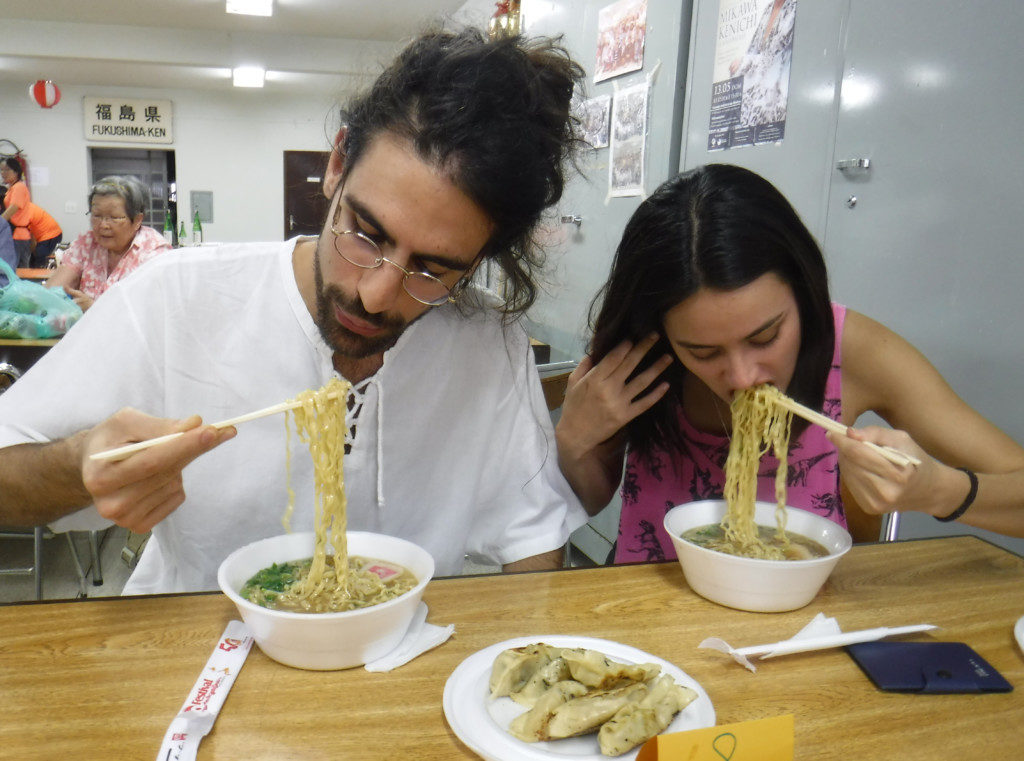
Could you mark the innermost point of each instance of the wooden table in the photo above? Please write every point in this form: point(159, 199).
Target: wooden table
point(101, 679)
point(32, 342)
point(37, 274)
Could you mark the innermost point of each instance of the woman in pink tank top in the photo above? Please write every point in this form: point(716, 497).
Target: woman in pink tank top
point(718, 286)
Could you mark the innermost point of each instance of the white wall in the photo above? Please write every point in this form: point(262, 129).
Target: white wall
point(229, 143)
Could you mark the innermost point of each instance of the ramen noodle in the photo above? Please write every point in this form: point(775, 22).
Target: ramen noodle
point(325, 582)
point(758, 425)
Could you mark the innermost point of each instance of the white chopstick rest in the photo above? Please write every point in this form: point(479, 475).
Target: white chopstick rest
point(195, 719)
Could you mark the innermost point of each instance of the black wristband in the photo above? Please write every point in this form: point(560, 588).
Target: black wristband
point(968, 500)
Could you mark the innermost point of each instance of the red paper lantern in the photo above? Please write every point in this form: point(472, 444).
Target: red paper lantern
point(44, 92)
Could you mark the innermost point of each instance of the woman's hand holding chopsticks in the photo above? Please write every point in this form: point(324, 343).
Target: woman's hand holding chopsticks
point(880, 486)
point(142, 489)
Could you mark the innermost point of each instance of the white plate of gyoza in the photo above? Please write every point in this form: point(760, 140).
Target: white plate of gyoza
point(561, 697)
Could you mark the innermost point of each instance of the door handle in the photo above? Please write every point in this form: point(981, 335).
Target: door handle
point(571, 219)
point(853, 164)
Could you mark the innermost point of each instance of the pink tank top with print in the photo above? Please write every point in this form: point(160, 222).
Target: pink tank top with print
point(650, 489)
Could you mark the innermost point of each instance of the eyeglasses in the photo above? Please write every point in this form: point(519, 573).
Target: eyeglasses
point(363, 251)
point(98, 219)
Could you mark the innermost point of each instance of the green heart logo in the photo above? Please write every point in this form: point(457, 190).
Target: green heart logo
point(724, 745)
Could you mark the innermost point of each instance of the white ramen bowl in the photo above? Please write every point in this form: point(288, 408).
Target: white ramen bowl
point(749, 583)
point(326, 641)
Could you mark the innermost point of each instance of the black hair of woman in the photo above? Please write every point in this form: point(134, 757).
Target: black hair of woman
point(719, 227)
point(15, 166)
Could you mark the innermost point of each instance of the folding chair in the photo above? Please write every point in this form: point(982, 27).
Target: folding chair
point(35, 570)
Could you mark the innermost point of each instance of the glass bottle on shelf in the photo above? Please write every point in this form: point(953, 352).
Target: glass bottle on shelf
point(182, 240)
point(168, 228)
point(197, 230)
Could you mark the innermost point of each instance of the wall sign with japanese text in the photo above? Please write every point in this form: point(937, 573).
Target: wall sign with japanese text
point(128, 120)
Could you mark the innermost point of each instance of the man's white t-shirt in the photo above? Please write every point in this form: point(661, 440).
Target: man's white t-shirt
point(453, 446)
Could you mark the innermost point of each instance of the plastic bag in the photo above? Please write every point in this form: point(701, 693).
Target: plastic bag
point(31, 310)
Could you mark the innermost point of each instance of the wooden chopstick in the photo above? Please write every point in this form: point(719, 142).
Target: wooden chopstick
point(894, 456)
point(121, 453)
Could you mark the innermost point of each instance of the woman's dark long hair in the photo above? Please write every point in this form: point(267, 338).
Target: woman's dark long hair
point(721, 227)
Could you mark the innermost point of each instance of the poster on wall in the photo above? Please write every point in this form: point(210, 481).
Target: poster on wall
point(628, 142)
point(750, 80)
point(621, 31)
point(128, 120)
point(595, 116)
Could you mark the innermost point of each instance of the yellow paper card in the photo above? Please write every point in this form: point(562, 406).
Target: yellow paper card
point(768, 739)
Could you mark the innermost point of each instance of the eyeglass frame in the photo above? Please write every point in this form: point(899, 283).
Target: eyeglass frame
point(453, 292)
point(100, 218)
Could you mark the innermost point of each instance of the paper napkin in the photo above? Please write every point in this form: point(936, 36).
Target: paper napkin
point(419, 638)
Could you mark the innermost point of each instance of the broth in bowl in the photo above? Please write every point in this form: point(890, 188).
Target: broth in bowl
point(369, 582)
point(793, 547)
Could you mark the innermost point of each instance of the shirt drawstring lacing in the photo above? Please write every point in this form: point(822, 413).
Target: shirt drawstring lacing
point(357, 396)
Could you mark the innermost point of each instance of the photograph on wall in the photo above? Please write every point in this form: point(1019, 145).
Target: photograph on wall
point(621, 31)
point(628, 142)
point(595, 118)
point(750, 80)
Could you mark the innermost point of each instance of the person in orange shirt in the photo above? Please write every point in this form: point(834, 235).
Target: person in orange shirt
point(30, 220)
point(7, 251)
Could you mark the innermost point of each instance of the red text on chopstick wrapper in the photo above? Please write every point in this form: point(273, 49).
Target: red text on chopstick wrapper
point(230, 643)
point(197, 714)
point(204, 692)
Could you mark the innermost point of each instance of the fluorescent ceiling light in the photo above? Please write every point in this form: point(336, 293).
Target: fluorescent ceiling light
point(251, 7)
point(248, 76)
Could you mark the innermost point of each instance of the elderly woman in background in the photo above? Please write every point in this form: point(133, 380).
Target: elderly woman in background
point(115, 246)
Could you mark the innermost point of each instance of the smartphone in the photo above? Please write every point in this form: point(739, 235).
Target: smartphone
point(927, 667)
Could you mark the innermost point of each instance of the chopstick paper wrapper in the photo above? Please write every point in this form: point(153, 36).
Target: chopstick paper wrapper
point(820, 634)
point(419, 638)
point(195, 719)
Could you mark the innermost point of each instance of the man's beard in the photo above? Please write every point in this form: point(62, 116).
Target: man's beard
point(342, 340)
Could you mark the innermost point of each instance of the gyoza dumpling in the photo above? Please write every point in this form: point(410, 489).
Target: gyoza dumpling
point(585, 714)
point(595, 670)
point(513, 668)
point(531, 726)
point(542, 679)
point(638, 722)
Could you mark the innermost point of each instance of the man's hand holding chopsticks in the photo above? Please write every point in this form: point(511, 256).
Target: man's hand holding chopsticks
point(144, 488)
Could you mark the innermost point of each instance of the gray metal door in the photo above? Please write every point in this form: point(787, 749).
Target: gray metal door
point(797, 165)
point(927, 238)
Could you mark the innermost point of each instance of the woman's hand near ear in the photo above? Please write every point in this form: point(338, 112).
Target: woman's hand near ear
point(600, 400)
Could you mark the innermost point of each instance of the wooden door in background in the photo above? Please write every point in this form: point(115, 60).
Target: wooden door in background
point(305, 206)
